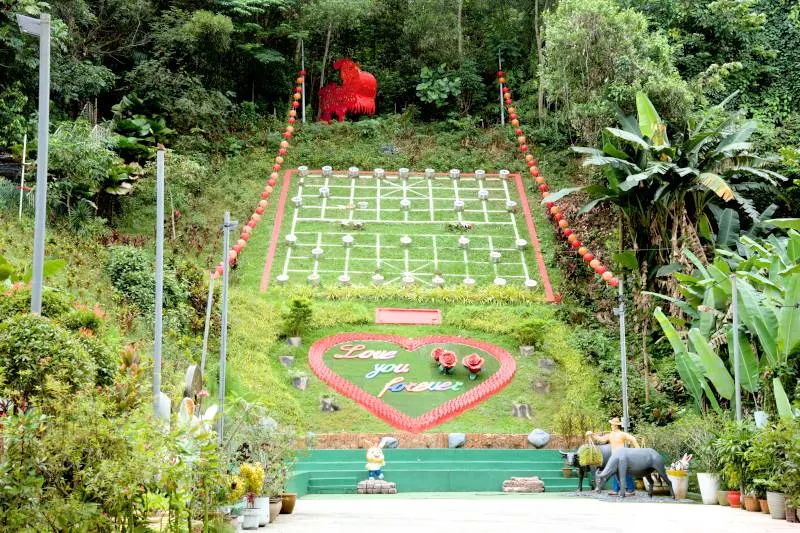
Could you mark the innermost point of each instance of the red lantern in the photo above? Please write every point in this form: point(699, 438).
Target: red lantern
point(543, 187)
point(576, 244)
point(607, 275)
point(287, 135)
point(531, 164)
point(232, 254)
point(256, 217)
point(290, 129)
point(300, 81)
point(594, 263)
point(218, 271)
point(523, 148)
point(506, 90)
point(292, 113)
point(545, 194)
point(264, 195)
point(284, 144)
point(252, 224)
point(549, 205)
point(554, 210)
point(614, 282)
point(279, 160)
point(276, 167)
point(295, 104)
point(303, 72)
point(296, 96)
point(247, 229)
point(529, 158)
point(512, 110)
point(513, 116)
point(521, 139)
point(539, 180)
point(562, 222)
point(259, 210)
point(237, 248)
point(572, 238)
point(600, 270)
point(245, 236)
point(262, 203)
point(291, 120)
point(501, 80)
point(567, 232)
point(518, 131)
point(515, 122)
point(499, 73)
point(272, 182)
point(282, 151)
point(299, 87)
point(582, 250)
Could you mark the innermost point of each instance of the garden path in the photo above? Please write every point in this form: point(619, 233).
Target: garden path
point(509, 513)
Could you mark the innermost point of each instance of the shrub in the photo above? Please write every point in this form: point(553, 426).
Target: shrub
point(104, 356)
point(297, 316)
point(82, 319)
point(132, 275)
point(531, 332)
point(55, 304)
point(34, 351)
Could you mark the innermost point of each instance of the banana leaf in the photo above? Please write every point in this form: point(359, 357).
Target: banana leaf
point(759, 317)
point(789, 319)
point(748, 362)
point(713, 366)
point(781, 400)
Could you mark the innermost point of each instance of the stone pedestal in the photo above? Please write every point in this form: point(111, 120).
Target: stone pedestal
point(523, 484)
point(376, 486)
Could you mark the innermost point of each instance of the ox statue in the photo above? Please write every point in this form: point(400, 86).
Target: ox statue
point(637, 462)
point(571, 459)
point(356, 94)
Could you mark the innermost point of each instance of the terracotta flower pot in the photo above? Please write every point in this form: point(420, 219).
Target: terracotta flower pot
point(288, 502)
point(764, 505)
point(566, 471)
point(751, 504)
point(722, 497)
point(275, 505)
point(735, 498)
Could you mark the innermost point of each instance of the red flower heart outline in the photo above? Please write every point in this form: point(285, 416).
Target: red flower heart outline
point(438, 415)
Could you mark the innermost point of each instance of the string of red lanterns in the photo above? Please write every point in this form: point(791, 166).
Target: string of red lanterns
point(552, 210)
point(237, 249)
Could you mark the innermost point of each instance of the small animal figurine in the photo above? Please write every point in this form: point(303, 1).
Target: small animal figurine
point(375, 461)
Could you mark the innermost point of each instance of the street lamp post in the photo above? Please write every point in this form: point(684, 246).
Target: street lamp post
point(40, 27)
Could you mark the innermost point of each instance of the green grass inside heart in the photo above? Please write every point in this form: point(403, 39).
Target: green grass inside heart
point(421, 368)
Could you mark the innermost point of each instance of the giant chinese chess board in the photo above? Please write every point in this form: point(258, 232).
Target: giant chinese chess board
point(433, 229)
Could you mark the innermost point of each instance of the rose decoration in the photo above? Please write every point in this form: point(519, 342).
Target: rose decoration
point(474, 363)
point(447, 362)
point(436, 353)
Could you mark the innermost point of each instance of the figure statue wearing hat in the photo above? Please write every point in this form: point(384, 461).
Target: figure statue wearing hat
point(617, 439)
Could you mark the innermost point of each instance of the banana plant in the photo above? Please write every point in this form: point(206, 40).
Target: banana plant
point(768, 290)
point(662, 187)
point(10, 274)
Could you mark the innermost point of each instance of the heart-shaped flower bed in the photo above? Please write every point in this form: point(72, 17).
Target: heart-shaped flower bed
point(402, 381)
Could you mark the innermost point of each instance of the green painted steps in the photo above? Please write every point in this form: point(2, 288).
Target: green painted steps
point(430, 470)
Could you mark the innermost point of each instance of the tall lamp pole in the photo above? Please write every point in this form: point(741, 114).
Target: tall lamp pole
point(227, 226)
point(502, 109)
point(623, 356)
point(159, 298)
point(736, 354)
point(40, 27)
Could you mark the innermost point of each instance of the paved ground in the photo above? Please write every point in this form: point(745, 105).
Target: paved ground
point(516, 513)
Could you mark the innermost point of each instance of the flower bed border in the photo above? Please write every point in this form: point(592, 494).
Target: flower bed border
point(450, 409)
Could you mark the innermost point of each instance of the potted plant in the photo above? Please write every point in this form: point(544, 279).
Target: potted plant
point(789, 478)
point(253, 476)
point(764, 462)
point(296, 319)
point(732, 445)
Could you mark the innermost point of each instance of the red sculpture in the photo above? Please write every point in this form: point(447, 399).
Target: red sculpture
point(356, 94)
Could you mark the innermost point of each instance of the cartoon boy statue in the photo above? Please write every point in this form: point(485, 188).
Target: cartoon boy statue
point(617, 439)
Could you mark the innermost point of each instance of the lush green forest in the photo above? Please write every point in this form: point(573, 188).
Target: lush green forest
point(668, 132)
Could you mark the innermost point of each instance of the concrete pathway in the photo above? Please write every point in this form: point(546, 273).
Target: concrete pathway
point(516, 513)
